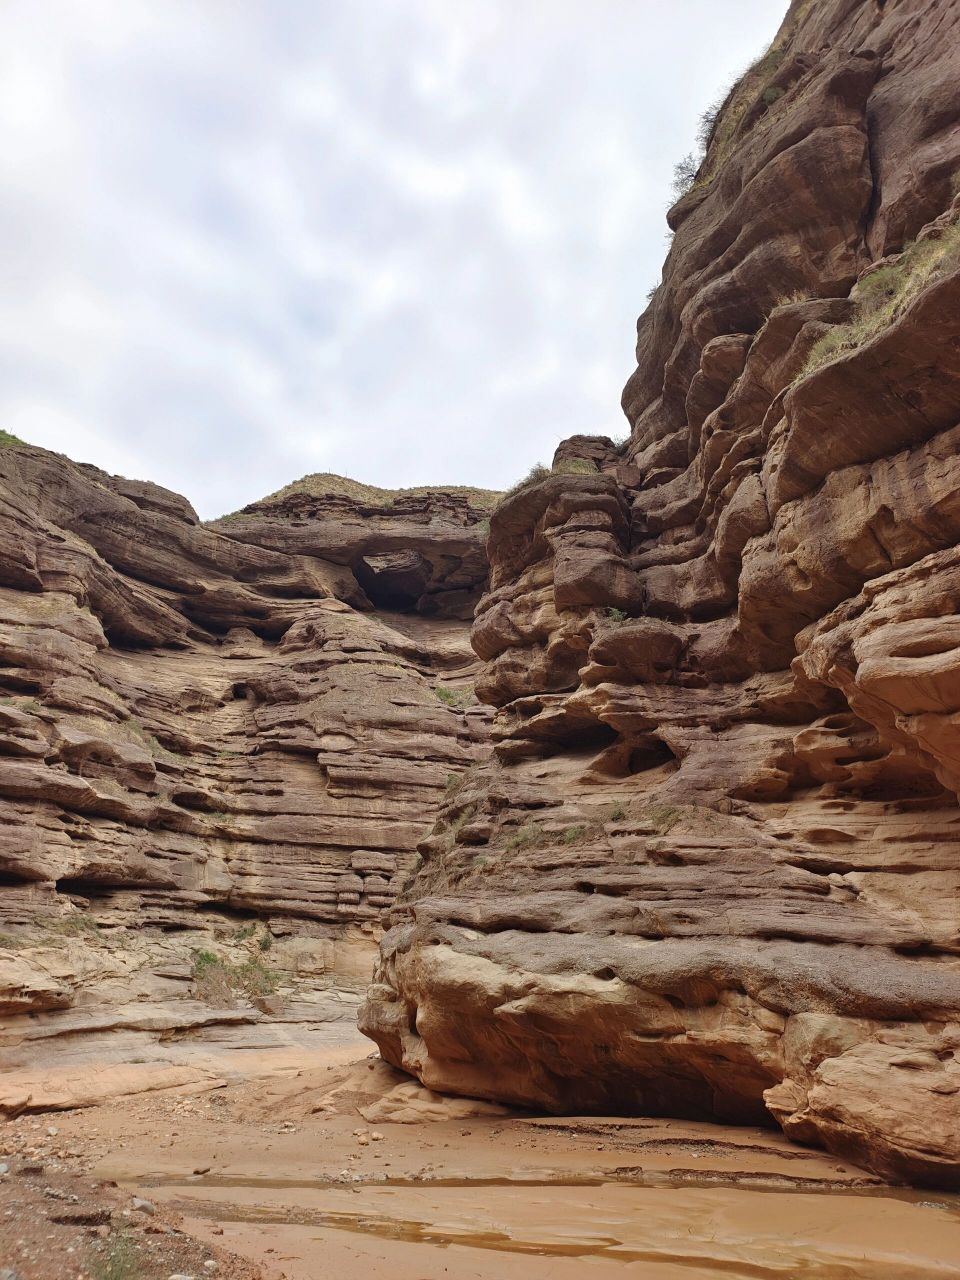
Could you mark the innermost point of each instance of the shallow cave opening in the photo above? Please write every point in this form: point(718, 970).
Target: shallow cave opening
point(630, 756)
point(649, 755)
point(226, 909)
point(578, 739)
point(82, 887)
point(395, 580)
point(12, 880)
point(591, 738)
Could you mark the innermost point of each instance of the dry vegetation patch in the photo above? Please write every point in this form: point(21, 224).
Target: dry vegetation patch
point(885, 294)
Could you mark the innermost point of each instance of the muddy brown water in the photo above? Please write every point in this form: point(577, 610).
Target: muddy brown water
point(526, 1229)
point(739, 1217)
point(264, 1168)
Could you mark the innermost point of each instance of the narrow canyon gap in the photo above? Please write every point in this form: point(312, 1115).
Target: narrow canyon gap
point(697, 839)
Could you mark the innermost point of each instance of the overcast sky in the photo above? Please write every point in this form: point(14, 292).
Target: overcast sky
point(402, 240)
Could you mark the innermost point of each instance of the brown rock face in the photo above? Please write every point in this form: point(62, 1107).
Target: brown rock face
point(712, 868)
point(204, 726)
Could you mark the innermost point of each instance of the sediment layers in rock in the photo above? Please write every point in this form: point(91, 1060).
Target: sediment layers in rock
point(713, 868)
point(197, 725)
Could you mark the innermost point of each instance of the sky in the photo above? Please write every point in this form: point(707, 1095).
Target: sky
point(401, 240)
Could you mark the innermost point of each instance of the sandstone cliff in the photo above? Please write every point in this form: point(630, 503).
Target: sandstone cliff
point(221, 740)
point(712, 868)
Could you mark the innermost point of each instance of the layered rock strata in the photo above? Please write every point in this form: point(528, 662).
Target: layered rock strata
point(713, 866)
point(207, 727)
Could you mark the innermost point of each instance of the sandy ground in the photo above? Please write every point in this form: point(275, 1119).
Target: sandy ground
point(309, 1173)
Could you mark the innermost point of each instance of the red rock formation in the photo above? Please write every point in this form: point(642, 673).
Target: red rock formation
point(713, 867)
point(204, 726)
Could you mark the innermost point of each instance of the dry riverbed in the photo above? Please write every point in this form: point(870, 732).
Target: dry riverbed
point(350, 1170)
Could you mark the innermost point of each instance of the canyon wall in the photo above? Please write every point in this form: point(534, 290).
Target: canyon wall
point(220, 740)
point(713, 865)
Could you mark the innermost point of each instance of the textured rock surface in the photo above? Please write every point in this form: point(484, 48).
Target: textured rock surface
point(713, 868)
point(200, 729)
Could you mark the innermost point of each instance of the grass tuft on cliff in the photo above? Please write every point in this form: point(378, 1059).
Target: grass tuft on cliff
point(538, 472)
point(8, 438)
point(528, 836)
point(735, 112)
point(456, 698)
point(885, 294)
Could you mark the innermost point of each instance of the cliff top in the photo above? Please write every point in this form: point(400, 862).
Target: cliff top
point(324, 483)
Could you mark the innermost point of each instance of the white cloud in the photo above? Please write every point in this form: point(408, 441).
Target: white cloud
point(405, 240)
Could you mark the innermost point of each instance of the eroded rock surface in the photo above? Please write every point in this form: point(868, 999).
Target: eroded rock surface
point(713, 869)
point(211, 730)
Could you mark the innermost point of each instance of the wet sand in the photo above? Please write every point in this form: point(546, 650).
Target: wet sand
point(287, 1173)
